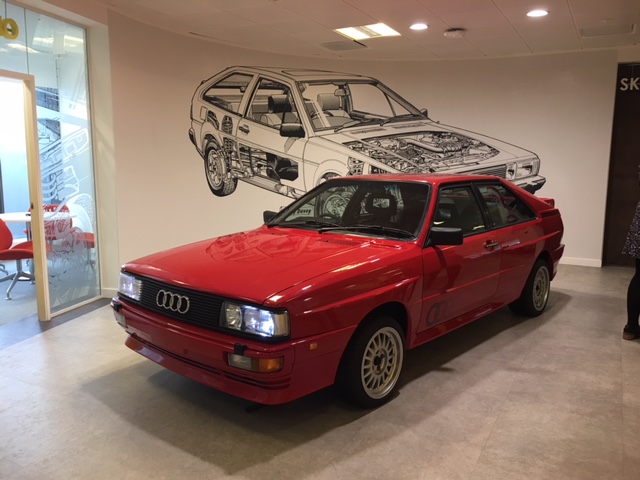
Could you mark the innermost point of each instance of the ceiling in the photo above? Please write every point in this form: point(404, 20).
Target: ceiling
point(493, 28)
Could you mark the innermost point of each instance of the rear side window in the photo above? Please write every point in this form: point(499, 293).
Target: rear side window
point(504, 207)
point(228, 92)
point(458, 207)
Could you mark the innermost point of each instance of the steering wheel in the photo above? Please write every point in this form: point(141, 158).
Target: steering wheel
point(331, 216)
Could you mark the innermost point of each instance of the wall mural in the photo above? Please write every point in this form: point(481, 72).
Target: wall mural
point(287, 130)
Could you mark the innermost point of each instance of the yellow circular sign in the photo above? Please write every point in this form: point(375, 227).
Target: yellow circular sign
point(9, 28)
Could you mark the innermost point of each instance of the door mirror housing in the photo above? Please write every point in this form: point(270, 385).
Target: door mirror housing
point(268, 215)
point(444, 236)
point(295, 130)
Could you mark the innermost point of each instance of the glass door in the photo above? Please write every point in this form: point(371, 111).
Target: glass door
point(23, 253)
point(53, 53)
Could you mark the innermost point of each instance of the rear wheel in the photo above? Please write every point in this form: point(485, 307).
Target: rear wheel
point(219, 179)
point(535, 293)
point(372, 363)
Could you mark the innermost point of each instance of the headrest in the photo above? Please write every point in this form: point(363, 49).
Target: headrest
point(446, 211)
point(279, 104)
point(328, 101)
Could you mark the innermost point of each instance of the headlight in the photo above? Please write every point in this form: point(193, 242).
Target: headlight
point(248, 319)
point(355, 166)
point(524, 169)
point(130, 286)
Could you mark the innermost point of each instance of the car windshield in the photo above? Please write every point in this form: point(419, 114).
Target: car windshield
point(390, 209)
point(334, 105)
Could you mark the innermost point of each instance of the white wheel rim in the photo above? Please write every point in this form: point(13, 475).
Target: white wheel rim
point(215, 169)
point(541, 288)
point(382, 362)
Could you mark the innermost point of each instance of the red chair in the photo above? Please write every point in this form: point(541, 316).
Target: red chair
point(19, 252)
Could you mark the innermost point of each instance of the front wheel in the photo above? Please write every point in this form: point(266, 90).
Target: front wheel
point(535, 293)
point(220, 182)
point(372, 363)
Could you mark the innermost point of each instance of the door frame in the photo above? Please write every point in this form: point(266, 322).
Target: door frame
point(35, 191)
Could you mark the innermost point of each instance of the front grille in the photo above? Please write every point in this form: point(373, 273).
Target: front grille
point(204, 308)
point(498, 171)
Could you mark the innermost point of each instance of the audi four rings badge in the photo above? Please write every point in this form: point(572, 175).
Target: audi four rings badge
point(172, 301)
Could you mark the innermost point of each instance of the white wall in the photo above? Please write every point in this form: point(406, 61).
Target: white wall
point(559, 106)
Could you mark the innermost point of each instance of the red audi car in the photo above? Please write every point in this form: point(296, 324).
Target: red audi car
point(334, 288)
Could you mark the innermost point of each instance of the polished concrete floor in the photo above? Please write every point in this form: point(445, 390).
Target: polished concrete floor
point(556, 397)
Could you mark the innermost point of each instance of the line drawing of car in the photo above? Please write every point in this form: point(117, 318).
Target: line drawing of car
point(288, 130)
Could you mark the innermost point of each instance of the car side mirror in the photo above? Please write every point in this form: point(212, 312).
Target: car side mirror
point(268, 215)
point(444, 236)
point(295, 130)
point(425, 112)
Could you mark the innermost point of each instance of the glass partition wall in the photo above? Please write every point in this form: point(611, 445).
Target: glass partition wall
point(54, 53)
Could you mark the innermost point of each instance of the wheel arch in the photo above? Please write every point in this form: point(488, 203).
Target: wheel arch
point(394, 309)
point(546, 256)
point(329, 166)
point(207, 140)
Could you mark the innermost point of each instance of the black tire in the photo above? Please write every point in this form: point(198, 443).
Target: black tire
point(372, 363)
point(220, 182)
point(535, 294)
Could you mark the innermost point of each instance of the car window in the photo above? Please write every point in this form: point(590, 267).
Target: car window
point(259, 107)
point(398, 206)
point(458, 207)
point(228, 92)
point(504, 207)
point(368, 98)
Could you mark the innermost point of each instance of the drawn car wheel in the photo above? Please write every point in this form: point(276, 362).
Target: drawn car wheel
point(326, 177)
point(535, 293)
point(218, 177)
point(372, 363)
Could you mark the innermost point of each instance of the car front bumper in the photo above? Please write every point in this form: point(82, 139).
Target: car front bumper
point(309, 365)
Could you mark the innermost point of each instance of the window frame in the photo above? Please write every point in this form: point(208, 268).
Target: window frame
point(247, 87)
point(486, 211)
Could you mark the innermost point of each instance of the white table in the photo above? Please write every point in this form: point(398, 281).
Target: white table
point(16, 217)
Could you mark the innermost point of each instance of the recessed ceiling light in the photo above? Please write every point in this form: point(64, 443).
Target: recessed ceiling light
point(419, 26)
point(367, 31)
point(538, 13)
point(454, 33)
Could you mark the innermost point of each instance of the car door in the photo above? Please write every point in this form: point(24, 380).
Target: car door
point(273, 160)
point(517, 230)
point(461, 280)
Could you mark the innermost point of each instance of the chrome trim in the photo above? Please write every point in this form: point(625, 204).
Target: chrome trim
point(172, 301)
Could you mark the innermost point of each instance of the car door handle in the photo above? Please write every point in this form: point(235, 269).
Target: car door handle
point(491, 244)
point(244, 129)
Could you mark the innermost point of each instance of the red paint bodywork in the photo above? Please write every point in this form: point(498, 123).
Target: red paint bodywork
point(329, 283)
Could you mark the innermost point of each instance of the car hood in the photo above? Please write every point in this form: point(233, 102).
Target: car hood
point(256, 265)
point(421, 146)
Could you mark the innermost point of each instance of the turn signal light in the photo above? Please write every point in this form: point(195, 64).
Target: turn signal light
point(260, 365)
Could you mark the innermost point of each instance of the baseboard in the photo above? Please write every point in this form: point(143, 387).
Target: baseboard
point(109, 292)
point(581, 262)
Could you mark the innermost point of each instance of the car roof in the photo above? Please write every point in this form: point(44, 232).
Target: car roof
point(301, 74)
point(432, 178)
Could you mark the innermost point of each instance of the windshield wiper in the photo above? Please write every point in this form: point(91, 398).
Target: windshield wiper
point(370, 228)
point(405, 116)
point(306, 223)
point(358, 123)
